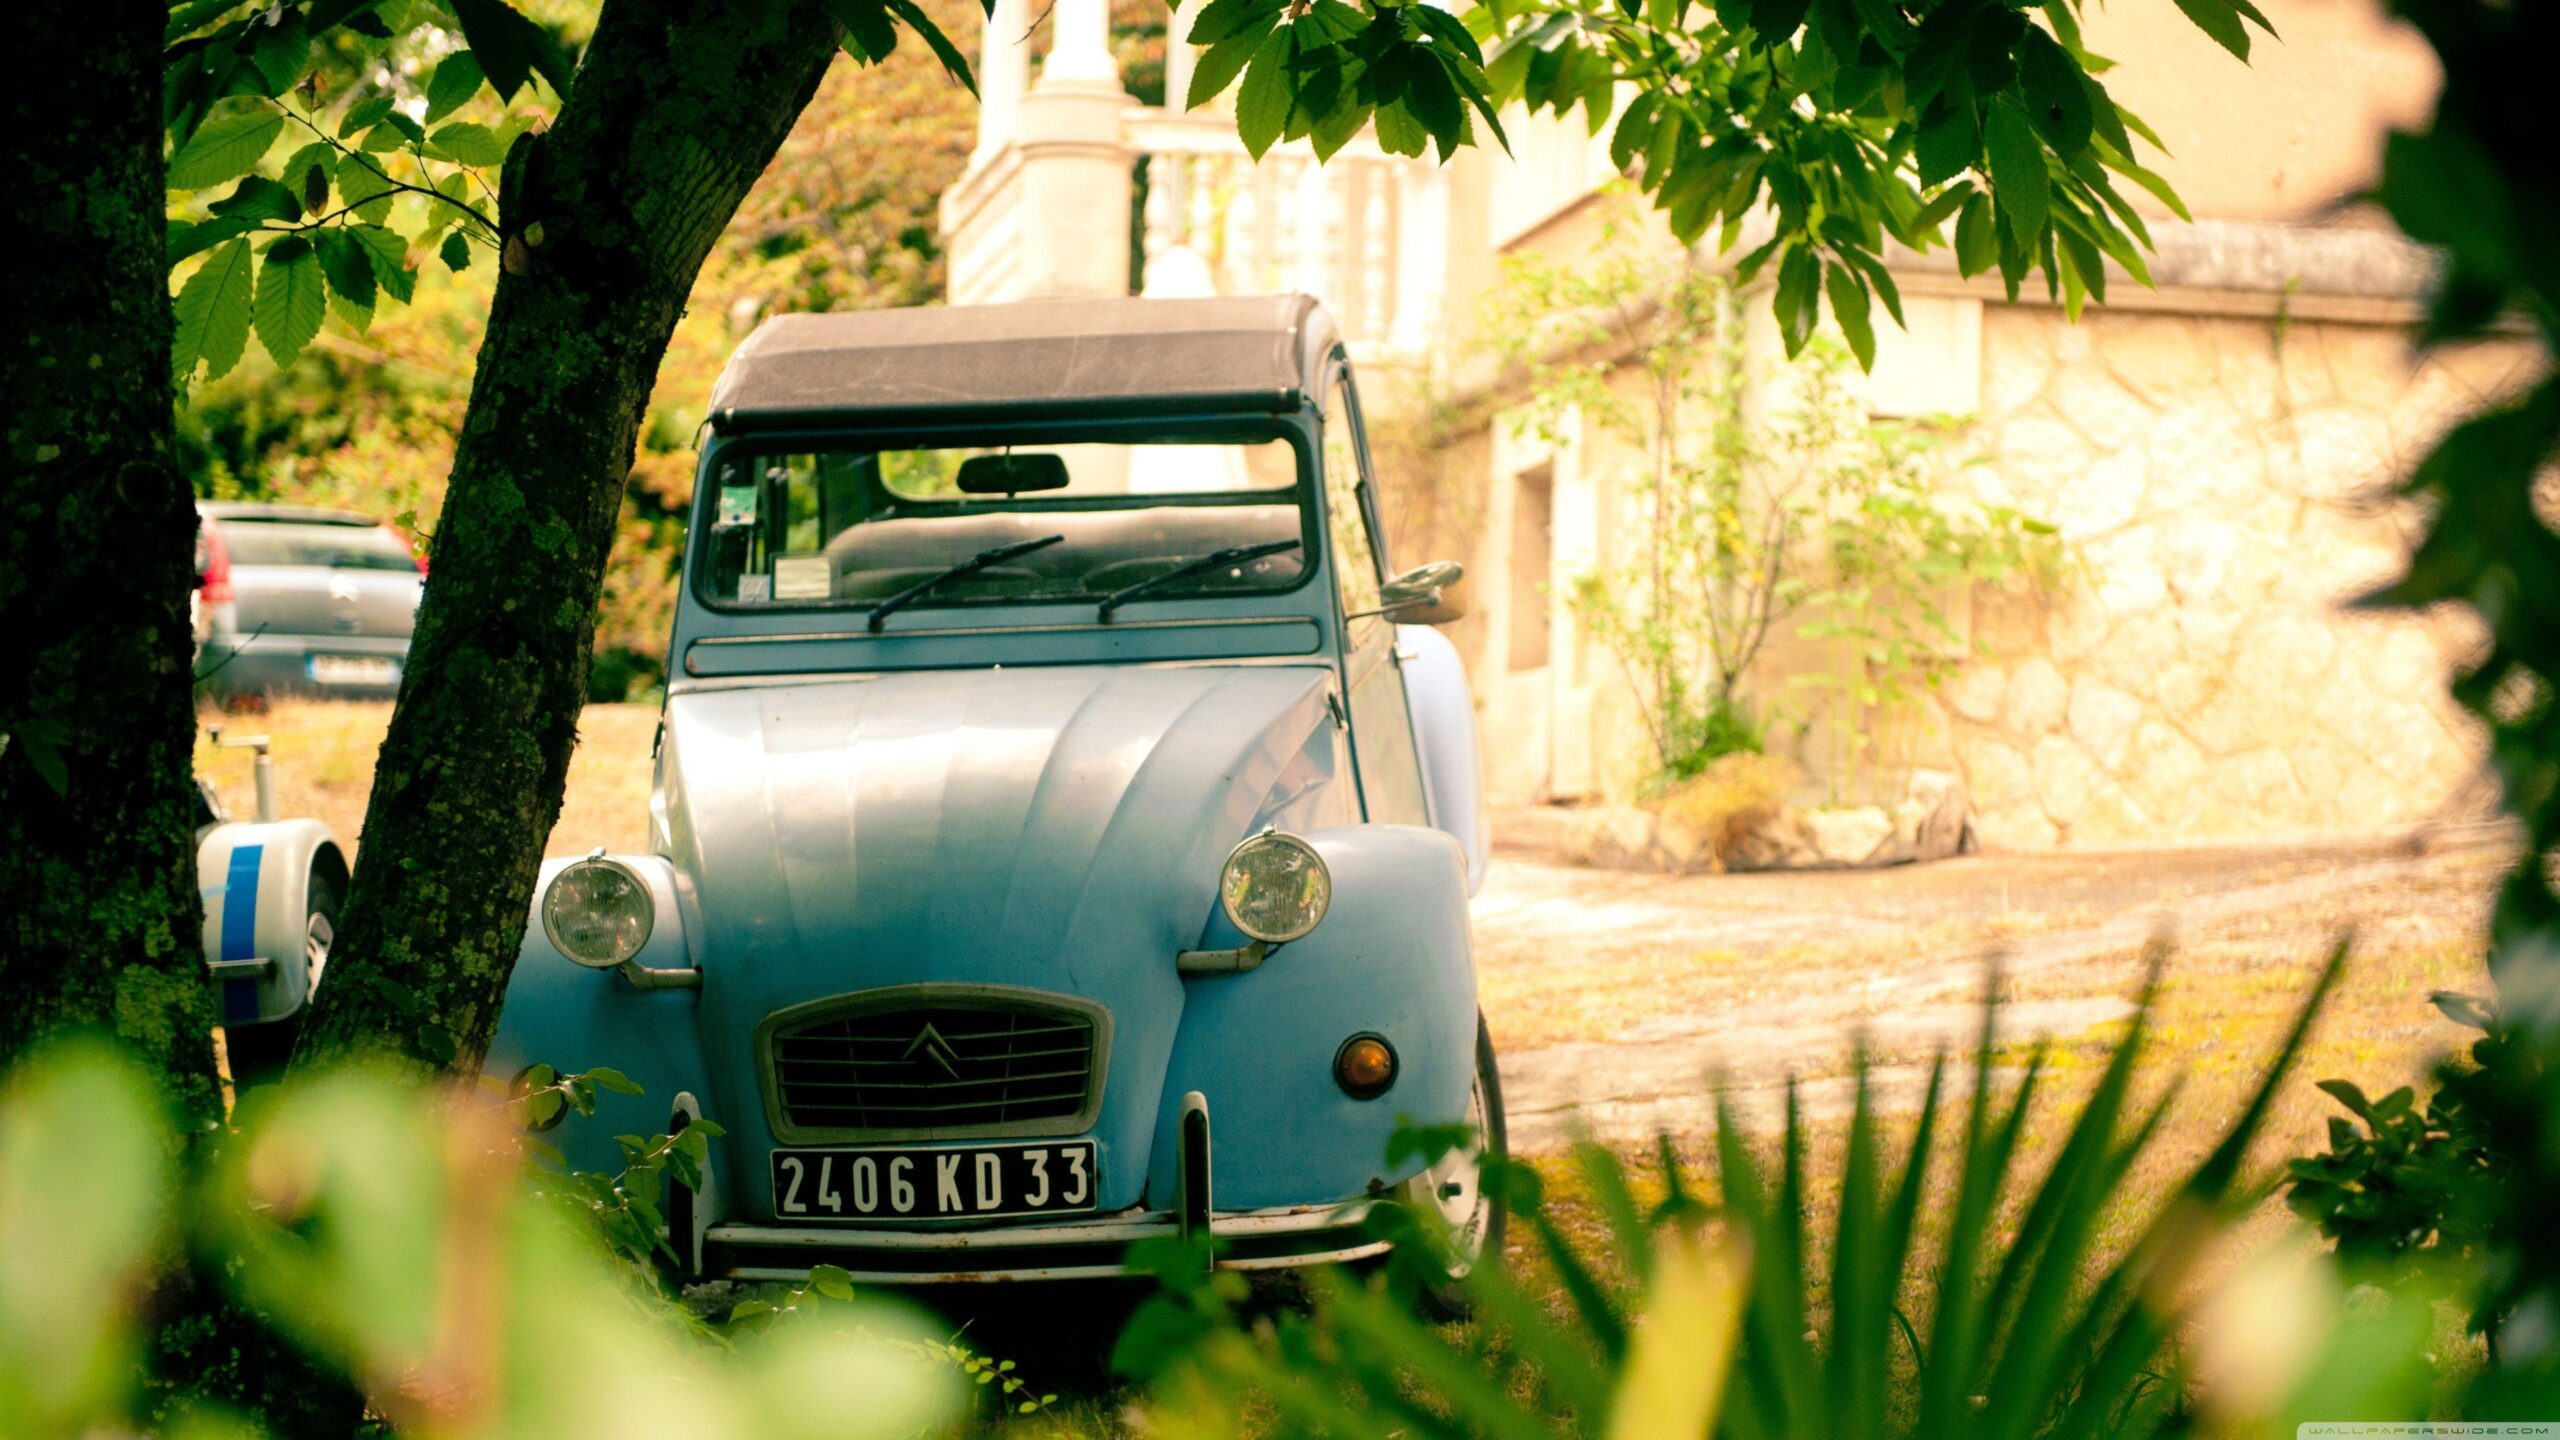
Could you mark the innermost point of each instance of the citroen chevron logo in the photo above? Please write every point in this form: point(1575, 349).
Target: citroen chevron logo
point(930, 1047)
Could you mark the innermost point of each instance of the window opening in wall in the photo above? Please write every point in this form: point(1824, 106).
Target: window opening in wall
point(1533, 536)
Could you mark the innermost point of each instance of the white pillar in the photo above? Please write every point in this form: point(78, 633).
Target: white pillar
point(1180, 54)
point(1004, 70)
point(1080, 46)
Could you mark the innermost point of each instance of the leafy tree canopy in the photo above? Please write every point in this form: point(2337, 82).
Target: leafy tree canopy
point(1847, 124)
point(1850, 123)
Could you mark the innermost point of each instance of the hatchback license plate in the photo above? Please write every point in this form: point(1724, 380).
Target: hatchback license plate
point(354, 670)
point(975, 1182)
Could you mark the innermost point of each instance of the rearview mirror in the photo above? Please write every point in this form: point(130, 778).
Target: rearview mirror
point(1011, 474)
point(1423, 595)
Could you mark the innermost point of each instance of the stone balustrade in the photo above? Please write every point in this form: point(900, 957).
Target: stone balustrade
point(1076, 189)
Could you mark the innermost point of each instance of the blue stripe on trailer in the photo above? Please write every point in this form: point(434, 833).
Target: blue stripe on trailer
point(240, 903)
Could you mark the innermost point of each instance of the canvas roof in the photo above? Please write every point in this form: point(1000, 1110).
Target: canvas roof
point(1028, 359)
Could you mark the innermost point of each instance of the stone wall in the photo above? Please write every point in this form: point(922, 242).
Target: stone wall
point(2197, 678)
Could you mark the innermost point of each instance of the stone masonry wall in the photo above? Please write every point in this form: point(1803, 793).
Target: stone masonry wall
point(2198, 678)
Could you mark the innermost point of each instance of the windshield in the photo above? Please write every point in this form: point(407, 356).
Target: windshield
point(347, 547)
point(859, 527)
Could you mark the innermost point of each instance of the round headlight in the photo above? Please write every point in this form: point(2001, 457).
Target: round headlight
point(1275, 887)
point(597, 912)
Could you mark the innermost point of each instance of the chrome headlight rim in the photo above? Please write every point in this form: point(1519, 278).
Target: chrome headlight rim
point(648, 911)
point(1263, 842)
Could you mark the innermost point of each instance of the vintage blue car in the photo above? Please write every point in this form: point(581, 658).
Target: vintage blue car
point(1065, 818)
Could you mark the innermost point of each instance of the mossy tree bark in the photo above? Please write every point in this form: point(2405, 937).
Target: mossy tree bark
point(676, 107)
point(100, 922)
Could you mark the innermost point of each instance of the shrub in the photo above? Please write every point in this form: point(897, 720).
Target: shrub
point(1704, 1306)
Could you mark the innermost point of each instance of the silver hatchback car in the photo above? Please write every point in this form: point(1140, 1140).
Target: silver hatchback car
point(301, 601)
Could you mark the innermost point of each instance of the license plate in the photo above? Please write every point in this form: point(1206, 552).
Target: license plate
point(354, 670)
point(975, 1182)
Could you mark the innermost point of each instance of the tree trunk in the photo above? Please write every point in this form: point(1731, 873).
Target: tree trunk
point(100, 922)
point(676, 108)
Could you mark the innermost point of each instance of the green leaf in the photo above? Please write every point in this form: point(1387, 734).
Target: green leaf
point(213, 314)
point(613, 1080)
point(291, 301)
point(1948, 143)
point(2218, 19)
point(954, 64)
point(456, 252)
point(365, 189)
point(2018, 175)
point(1263, 102)
point(1217, 66)
point(279, 44)
point(2057, 98)
point(1799, 297)
point(1222, 19)
point(226, 147)
point(510, 47)
point(306, 173)
point(470, 143)
point(258, 198)
point(1633, 132)
point(364, 115)
point(1400, 132)
point(1930, 216)
point(869, 36)
point(349, 267)
point(456, 80)
point(395, 131)
point(1977, 245)
point(390, 256)
point(194, 238)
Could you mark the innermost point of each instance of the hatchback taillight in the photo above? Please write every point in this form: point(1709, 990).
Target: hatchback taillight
point(215, 577)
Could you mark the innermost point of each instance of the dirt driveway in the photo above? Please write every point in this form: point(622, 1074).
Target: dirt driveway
point(1616, 998)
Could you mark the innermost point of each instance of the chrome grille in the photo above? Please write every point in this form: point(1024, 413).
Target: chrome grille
point(932, 1068)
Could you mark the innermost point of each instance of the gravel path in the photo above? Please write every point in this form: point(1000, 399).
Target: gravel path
point(1618, 998)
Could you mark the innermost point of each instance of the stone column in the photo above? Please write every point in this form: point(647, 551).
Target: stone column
point(1080, 46)
point(1179, 54)
point(1004, 71)
point(1075, 174)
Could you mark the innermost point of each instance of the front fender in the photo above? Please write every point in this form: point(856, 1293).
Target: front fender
point(1444, 731)
point(256, 881)
point(1393, 958)
point(562, 1014)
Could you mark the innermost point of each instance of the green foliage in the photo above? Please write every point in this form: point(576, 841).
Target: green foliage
point(1784, 1316)
point(1810, 514)
point(2413, 1179)
point(1321, 71)
point(1818, 130)
point(394, 1239)
point(366, 188)
point(2479, 188)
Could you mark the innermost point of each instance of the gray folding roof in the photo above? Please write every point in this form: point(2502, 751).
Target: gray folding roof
point(1028, 359)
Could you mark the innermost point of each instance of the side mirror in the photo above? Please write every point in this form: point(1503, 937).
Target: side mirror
point(1422, 595)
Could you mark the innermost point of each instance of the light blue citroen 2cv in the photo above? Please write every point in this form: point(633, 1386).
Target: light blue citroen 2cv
point(1065, 818)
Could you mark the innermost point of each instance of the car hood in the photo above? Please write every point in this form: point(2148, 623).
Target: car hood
point(1054, 829)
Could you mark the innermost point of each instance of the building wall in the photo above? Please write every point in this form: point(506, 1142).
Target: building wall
point(2199, 677)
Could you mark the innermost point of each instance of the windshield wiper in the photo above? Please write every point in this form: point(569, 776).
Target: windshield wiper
point(971, 566)
point(1216, 560)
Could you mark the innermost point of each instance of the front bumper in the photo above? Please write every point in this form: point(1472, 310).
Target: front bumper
point(1091, 1249)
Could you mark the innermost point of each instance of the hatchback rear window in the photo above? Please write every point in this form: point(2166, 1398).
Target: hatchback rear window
point(345, 547)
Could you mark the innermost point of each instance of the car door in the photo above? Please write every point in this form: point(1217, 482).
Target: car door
point(1382, 744)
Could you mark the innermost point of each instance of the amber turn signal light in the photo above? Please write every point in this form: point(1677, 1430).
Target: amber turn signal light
point(1364, 1067)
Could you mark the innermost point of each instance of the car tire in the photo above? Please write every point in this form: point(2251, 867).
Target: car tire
point(1477, 1217)
point(257, 1053)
